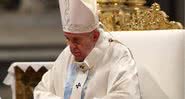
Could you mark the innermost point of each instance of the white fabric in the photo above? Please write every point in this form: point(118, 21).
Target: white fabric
point(112, 74)
point(78, 16)
point(10, 78)
point(159, 56)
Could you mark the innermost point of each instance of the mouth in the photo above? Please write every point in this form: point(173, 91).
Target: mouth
point(76, 54)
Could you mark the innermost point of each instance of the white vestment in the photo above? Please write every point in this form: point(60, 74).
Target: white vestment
point(108, 72)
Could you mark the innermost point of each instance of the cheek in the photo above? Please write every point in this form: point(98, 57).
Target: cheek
point(87, 47)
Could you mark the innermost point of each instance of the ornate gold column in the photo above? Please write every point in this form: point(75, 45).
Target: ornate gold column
point(124, 15)
point(108, 12)
point(135, 3)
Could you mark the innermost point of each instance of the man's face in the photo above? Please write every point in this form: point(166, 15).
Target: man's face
point(81, 44)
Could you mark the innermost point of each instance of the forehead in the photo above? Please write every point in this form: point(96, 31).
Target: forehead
point(68, 34)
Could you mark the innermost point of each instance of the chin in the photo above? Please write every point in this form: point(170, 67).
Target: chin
point(79, 59)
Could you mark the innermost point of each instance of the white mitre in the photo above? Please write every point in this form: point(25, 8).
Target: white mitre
point(79, 16)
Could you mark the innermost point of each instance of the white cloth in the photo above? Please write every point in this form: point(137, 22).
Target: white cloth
point(112, 74)
point(159, 55)
point(10, 78)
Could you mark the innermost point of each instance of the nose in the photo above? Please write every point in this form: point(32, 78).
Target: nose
point(71, 44)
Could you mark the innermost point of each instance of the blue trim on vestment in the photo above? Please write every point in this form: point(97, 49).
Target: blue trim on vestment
point(71, 77)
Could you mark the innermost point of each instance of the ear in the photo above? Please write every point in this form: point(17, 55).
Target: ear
point(96, 35)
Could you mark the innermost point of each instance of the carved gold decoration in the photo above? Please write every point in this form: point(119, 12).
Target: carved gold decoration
point(121, 15)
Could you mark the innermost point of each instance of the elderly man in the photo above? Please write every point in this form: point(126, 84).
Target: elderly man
point(93, 65)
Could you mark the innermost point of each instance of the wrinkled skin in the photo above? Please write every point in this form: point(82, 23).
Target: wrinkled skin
point(81, 44)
